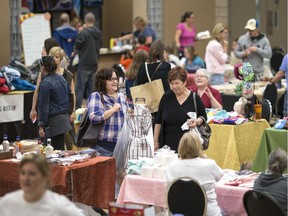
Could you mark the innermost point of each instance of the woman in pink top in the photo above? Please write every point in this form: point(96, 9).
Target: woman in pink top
point(216, 54)
point(185, 32)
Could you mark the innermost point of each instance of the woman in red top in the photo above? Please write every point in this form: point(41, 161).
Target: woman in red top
point(210, 97)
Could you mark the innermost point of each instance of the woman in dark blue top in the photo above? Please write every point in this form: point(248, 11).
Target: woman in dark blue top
point(53, 118)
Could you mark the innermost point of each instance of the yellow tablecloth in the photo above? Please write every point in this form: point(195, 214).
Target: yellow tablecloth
point(231, 145)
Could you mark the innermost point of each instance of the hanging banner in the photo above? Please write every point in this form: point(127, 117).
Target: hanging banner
point(11, 108)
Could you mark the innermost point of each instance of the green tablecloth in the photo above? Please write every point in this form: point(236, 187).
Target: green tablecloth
point(271, 139)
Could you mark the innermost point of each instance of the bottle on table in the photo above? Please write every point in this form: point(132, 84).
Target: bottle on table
point(5, 143)
point(17, 146)
point(49, 149)
point(39, 147)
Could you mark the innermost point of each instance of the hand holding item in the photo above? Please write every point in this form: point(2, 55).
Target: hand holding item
point(41, 132)
point(192, 123)
point(252, 49)
point(33, 115)
point(116, 107)
point(72, 117)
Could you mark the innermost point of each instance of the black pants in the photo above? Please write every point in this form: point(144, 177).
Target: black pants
point(58, 142)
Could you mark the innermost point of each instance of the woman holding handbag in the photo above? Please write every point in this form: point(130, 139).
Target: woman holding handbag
point(106, 105)
point(173, 109)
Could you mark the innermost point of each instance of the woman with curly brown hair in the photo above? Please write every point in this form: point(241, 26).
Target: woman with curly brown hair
point(107, 105)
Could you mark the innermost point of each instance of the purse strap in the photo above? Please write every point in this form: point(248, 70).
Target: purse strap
point(195, 103)
point(147, 72)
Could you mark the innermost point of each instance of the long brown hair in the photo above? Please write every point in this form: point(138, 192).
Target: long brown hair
point(156, 52)
point(140, 57)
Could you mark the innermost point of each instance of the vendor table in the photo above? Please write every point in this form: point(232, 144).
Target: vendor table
point(25, 129)
point(270, 140)
point(91, 182)
point(232, 145)
point(151, 191)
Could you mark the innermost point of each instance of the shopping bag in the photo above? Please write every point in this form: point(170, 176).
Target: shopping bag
point(88, 132)
point(151, 92)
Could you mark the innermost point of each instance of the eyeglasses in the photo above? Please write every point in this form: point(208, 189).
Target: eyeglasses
point(199, 76)
point(114, 79)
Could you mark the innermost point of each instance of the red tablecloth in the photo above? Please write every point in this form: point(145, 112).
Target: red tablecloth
point(91, 182)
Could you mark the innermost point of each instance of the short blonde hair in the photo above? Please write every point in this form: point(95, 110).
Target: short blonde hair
point(140, 20)
point(190, 146)
point(40, 161)
point(217, 30)
point(57, 51)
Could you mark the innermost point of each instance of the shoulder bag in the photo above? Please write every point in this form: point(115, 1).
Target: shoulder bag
point(88, 132)
point(151, 91)
point(204, 129)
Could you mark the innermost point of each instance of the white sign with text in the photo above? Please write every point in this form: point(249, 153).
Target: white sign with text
point(11, 108)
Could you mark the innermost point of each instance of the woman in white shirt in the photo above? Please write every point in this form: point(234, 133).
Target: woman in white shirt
point(34, 198)
point(216, 54)
point(193, 164)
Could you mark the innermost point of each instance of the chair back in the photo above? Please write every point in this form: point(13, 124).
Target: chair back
point(266, 110)
point(261, 204)
point(270, 93)
point(186, 196)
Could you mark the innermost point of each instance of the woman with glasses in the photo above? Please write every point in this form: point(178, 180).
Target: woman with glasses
point(173, 109)
point(34, 197)
point(107, 105)
point(216, 54)
point(210, 97)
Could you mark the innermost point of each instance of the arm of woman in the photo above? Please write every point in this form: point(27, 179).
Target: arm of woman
point(177, 37)
point(72, 86)
point(126, 37)
point(33, 112)
point(149, 40)
point(215, 98)
point(219, 54)
point(157, 130)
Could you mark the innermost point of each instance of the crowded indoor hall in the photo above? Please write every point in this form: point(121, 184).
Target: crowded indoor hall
point(143, 107)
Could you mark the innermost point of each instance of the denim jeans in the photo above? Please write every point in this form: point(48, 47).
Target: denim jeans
point(217, 79)
point(103, 151)
point(84, 84)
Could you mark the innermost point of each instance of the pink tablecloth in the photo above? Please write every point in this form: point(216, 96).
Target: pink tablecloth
point(149, 191)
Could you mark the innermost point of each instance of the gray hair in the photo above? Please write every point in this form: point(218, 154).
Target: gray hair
point(89, 18)
point(204, 71)
point(277, 161)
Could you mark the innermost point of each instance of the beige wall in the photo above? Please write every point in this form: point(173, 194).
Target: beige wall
point(4, 33)
point(117, 17)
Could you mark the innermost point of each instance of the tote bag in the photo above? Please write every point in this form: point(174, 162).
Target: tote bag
point(151, 91)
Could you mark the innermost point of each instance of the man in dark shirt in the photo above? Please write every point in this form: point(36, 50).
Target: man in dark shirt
point(87, 45)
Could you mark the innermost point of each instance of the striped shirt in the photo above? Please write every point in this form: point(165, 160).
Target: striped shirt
point(113, 125)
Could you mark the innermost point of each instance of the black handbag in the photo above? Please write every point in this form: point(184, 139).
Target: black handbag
point(88, 132)
point(204, 129)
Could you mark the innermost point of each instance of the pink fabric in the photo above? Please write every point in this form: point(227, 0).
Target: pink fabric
point(187, 37)
point(149, 191)
point(230, 199)
point(215, 57)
